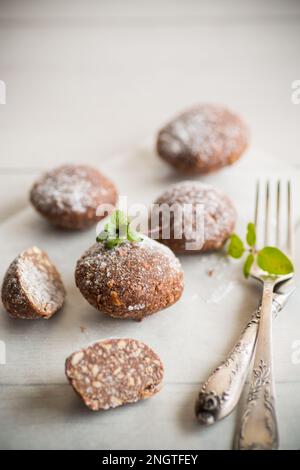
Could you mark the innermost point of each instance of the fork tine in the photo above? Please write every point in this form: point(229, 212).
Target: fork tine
point(278, 214)
point(289, 221)
point(267, 213)
point(289, 235)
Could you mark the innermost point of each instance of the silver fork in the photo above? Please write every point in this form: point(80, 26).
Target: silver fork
point(222, 390)
point(258, 428)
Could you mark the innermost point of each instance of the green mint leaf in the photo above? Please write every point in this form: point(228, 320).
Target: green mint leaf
point(111, 243)
point(119, 218)
point(236, 247)
point(248, 265)
point(102, 236)
point(251, 234)
point(132, 235)
point(118, 231)
point(111, 230)
point(273, 261)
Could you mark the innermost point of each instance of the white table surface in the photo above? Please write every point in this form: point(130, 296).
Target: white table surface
point(87, 80)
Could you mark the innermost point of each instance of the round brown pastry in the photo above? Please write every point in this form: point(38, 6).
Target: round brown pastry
point(203, 139)
point(32, 286)
point(187, 231)
point(69, 195)
point(131, 280)
point(114, 372)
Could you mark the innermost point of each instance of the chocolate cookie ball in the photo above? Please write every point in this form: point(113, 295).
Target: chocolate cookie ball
point(32, 286)
point(132, 280)
point(203, 139)
point(69, 195)
point(217, 217)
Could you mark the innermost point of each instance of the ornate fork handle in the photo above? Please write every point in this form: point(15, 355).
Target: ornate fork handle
point(258, 428)
point(221, 392)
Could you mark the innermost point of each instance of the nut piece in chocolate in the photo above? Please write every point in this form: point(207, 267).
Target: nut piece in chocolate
point(114, 372)
point(32, 287)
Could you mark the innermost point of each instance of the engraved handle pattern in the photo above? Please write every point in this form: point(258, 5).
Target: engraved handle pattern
point(258, 428)
point(221, 392)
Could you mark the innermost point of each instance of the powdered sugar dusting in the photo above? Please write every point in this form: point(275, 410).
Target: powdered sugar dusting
point(136, 307)
point(68, 187)
point(150, 244)
point(208, 135)
point(130, 280)
point(219, 212)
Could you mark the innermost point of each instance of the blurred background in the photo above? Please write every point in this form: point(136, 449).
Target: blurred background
point(86, 79)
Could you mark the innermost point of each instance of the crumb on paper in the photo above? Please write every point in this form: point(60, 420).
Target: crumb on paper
point(83, 329)
point(210, 272)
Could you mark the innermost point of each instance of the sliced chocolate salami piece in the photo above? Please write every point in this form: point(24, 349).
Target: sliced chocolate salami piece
point(114, 372)
point(32, 286)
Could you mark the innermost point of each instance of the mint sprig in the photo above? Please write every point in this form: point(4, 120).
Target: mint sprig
point(270, 259)
point(251, 234)
point(248, 265)
point(273, 261)
point(118, 230)
point(236, 247)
